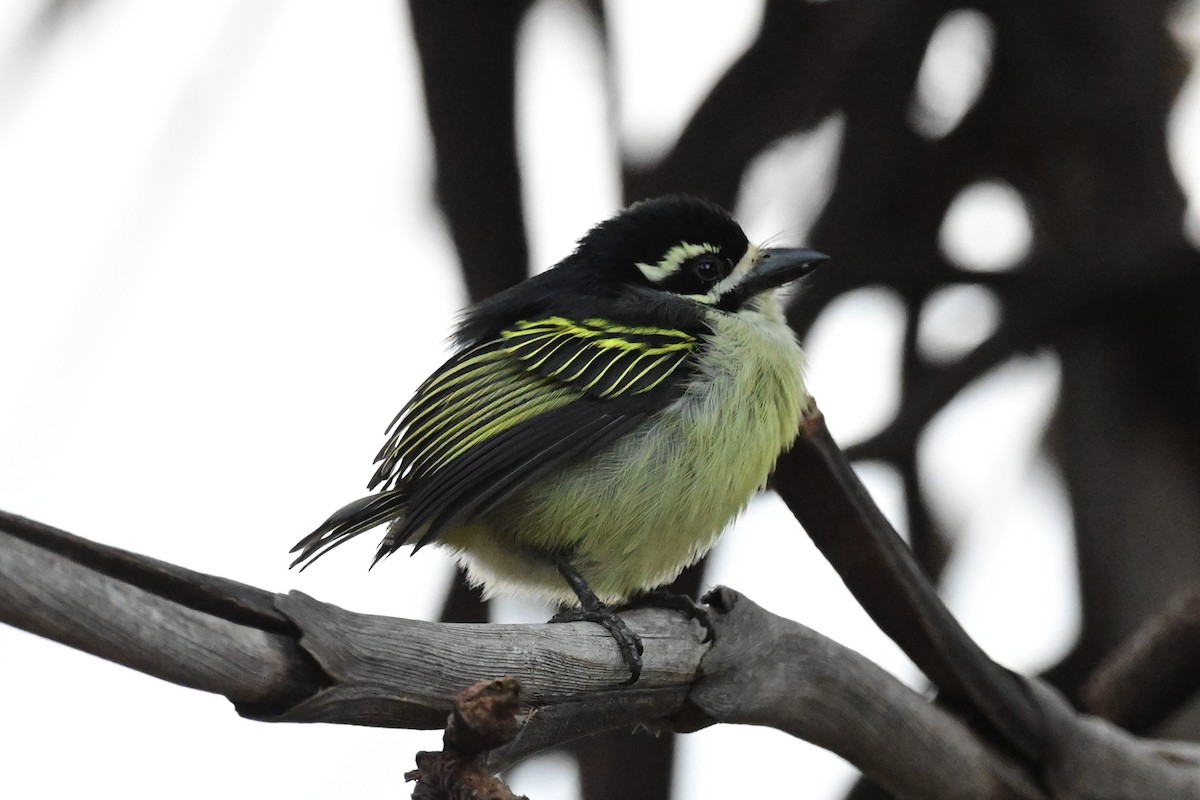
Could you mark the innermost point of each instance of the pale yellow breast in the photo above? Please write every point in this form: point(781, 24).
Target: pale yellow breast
point(659, 499)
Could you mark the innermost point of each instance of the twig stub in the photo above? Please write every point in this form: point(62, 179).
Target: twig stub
point(484, 718)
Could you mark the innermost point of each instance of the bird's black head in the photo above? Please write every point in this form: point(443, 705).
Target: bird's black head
point(678, 243)
point(670, 248)
point(687, 247)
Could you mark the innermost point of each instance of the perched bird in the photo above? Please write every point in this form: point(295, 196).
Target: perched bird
point(600, 423)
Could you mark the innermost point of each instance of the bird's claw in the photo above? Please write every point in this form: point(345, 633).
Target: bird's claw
point(629, 642)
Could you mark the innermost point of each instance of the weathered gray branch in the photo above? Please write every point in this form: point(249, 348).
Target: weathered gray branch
point(292, 658)
point(405, 673)
point(843, 702)
point(48, 593)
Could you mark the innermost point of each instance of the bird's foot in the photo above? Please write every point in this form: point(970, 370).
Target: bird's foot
point(628, 641)
point(674, 601)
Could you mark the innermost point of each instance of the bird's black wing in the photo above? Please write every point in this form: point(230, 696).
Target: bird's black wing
point(501, 414)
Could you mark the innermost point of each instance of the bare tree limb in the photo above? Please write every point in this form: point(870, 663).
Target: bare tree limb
point(154, 626)
point(339, 666)
point(327, 664)
point(1089, 758)
point(842, 701)
point(1142, 682)
point(293, 658)
point(816, 481)
point(405, 673)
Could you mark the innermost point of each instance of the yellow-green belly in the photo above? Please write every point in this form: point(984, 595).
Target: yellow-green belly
point(634, 516)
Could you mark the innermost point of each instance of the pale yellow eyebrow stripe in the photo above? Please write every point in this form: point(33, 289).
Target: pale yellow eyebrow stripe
point(673, 260)
point(739, 271)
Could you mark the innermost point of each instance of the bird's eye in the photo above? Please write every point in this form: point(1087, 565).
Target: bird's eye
point(709, 269)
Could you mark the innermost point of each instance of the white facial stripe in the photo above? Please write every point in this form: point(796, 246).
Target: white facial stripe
point(740, 270)
point(673, 260)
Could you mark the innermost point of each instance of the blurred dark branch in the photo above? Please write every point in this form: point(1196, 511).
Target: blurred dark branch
point(929, 543)
point(941, 384)
point(467, 56)
point(816, 481)
point(53, 15)
point(468, 60)
point(463, 603)
point(727, 131)
point(1037, 317)
point(806, 60)
point(1155, 672)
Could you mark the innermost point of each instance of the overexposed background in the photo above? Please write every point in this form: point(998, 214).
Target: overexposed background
point(222, 272)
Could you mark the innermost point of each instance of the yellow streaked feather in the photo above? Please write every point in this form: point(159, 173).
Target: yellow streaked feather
point(644, 331)
point(584, 368)
point(436, 380)
point(494, 388)
point(458, 416)
point(544, 404)
point(563, 339)
point(418, 416)
point(617, 388)
point(496, 406)
point(598, 378)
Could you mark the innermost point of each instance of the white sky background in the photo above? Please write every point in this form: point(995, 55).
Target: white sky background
point(216, 229)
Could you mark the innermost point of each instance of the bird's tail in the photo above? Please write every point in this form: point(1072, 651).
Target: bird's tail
point(349, 521)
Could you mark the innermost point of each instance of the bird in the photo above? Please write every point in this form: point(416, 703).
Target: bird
point(600, 424)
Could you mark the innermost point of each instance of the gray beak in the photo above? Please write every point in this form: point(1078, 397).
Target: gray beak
point(777, 266)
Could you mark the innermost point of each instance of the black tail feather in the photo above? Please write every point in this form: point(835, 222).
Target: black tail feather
point(349, 521)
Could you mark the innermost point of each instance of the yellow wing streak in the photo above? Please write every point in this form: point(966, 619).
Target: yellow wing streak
point(593, 334)
point(581, 370)
point(654, 364)
point(620, 386)
point(542, 343)
point(667, 374)
point(504, 423)
point(542, 338)
point(617, 387)
point(453, 416)
point(614, 328)
point(417, 417)
point(597, 328)
point(603, 372)
point(615, 343)
point(494, 408)
point(565, 339)
point(436, 381)
point(523, 373)
point(591, 327)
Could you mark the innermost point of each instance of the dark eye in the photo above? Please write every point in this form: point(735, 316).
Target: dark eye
point(709, 269)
